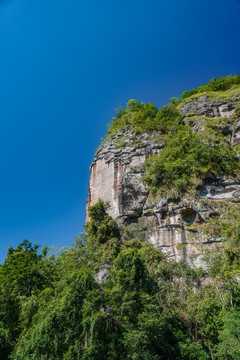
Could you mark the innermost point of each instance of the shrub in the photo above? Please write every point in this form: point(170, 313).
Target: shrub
point(219, 84)
point(188, 155)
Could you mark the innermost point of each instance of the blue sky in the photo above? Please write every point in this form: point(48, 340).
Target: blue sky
point(64, 67)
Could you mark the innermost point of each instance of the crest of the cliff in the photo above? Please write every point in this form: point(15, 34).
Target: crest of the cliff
point(171, 175)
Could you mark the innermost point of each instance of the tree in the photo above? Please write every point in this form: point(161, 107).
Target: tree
point(23, 274)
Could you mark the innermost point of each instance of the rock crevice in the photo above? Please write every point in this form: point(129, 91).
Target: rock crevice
point(116, 176)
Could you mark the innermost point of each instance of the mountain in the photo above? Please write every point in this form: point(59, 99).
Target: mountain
point(156, 274)
point(177, 219)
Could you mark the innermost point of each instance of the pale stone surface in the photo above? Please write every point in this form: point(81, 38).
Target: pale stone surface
point(203, 105)
point(116, 176)
point(102, 273)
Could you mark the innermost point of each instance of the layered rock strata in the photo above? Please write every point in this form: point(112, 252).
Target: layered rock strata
point(116, 176)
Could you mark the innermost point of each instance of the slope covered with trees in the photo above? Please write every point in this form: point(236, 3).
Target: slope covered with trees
point(106, 298)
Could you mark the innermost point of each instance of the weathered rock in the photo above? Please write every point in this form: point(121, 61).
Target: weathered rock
point(116, 176)
point(214, 111)
point(101, 275)
point(207, 106)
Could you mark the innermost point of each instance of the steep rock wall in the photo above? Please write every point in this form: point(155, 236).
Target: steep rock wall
point(116, 176)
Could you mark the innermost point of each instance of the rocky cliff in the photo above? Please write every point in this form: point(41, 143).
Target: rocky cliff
point(182, 228)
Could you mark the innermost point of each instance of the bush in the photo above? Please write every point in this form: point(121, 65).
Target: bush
point(140, 117)
point(187, 156)
point(219, 84)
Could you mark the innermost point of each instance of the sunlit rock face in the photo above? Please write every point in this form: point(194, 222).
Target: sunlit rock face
point(116, 176)
point(198, 110)
point(204, 105)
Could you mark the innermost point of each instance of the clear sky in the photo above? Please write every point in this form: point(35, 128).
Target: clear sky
point(64, 67)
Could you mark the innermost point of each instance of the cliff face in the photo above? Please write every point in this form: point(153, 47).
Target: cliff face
point(116, 176)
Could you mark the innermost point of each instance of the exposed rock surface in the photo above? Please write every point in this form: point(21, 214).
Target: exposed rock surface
point(204, 105)
point(116, 173)
point(116, 176)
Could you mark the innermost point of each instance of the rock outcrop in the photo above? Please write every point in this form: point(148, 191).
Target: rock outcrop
point(116, 176)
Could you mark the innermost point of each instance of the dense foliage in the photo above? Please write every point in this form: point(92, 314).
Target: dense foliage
point(222, 83)
point(139, 117)
point(24, 276)
point(108, 299)
point(188, 156)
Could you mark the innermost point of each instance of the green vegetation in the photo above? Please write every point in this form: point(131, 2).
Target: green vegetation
point(231, 95)
point(220, 84)
point(144, 308)
point(24, 278)
point(109, 299)
point(187, 156)
point(181, 246)
point(139, 117)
